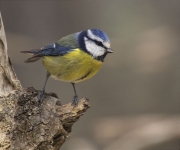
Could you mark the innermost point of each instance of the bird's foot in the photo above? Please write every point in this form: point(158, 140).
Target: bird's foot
point(75, 101)
point(41, 96)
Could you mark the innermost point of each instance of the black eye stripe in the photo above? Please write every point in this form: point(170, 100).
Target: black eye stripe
point(99, 43)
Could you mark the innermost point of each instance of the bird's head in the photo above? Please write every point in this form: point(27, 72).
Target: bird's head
point(95, 42)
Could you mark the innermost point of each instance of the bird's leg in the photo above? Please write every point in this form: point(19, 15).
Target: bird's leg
point(75, 98)
point(41, 95)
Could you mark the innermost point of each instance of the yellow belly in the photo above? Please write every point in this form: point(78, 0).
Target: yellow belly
point(75, 66)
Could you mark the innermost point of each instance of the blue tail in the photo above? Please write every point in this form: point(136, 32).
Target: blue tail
point(35, 53)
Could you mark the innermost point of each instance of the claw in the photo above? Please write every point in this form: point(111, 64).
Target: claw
point(41, 96)
point(75, 101)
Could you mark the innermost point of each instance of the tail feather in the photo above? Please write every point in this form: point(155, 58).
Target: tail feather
point(51, 50)
point(36, 56)
point(32, 59)
point(31, 52)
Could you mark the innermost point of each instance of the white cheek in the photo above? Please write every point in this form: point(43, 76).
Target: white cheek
point(94, 49)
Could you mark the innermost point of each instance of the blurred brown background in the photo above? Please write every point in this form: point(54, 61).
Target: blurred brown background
point(135, 97)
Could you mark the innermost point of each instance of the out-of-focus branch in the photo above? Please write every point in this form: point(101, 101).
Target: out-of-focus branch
point(139, 132)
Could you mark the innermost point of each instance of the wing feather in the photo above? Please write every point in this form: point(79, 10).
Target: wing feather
point(54, 49)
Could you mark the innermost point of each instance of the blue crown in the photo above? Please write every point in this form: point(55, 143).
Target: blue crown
point(100, 34)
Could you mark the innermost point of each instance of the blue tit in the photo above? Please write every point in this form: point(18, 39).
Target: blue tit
point(74, 58)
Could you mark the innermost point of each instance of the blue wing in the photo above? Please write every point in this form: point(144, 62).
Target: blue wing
point(54, 49)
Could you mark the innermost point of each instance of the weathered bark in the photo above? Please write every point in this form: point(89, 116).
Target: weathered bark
point(24, 123)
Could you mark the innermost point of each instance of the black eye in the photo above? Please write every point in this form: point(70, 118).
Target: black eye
point(99, 43)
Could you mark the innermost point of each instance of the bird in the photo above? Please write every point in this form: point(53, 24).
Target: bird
point(74, 58)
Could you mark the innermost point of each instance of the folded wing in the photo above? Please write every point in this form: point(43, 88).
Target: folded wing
point(54, 49)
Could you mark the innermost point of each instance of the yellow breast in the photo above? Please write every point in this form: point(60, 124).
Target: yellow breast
point(75, 66)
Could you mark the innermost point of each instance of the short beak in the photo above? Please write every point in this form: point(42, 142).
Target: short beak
point(109, 50)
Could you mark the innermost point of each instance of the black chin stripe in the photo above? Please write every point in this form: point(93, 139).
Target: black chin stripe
point(101, 58)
